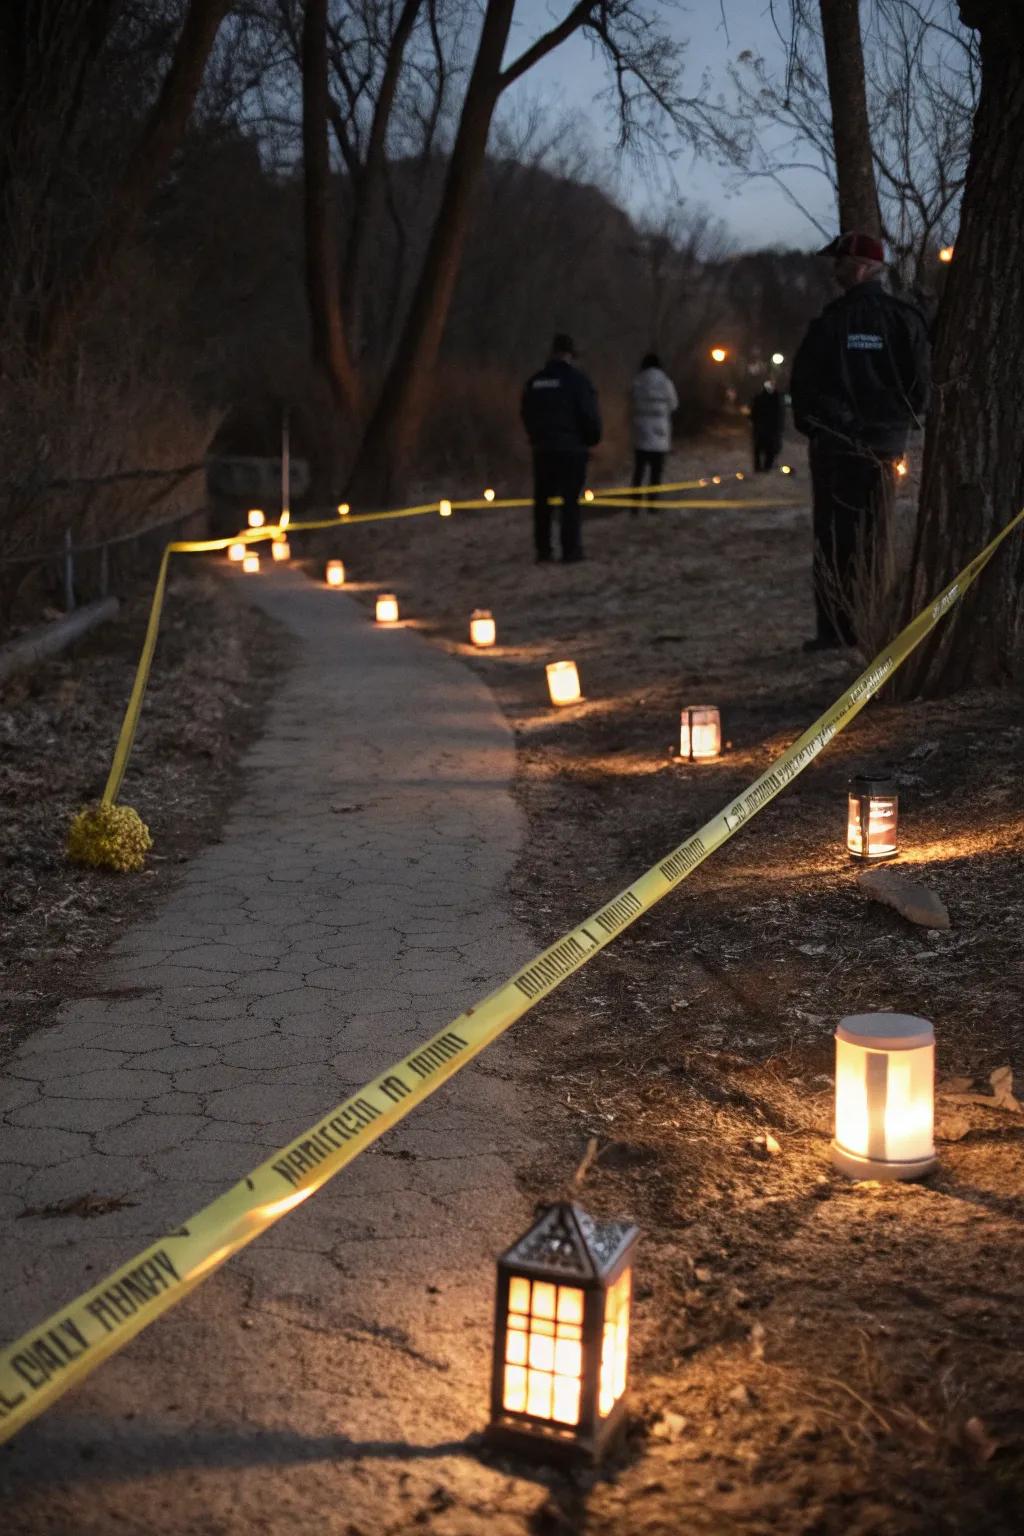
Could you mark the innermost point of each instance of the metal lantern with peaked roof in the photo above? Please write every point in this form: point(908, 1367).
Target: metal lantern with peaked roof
point(561, 1335)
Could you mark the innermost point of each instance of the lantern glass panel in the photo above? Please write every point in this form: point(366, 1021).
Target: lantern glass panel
point(700, 732)
point(615, 1343)
point(543, 1350)
point(885, 1074)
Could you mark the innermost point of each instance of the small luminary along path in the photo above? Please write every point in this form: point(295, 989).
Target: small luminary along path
point(281, 549)
point(334, 574)
point(445, 508)
point(700, 732)
point(482, 628)
point(561, 1336)
point(885, 1096)
point(387, 608)
point(251, 564)
point(872, 818)
point(563, 682)
point(236, 553)
point(256, 518)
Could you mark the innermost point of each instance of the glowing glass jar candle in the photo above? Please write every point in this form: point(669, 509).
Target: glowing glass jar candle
point(236, 553)
point(488, 494)
point(334, 574)
point(344, 509)
point(563, 682)
point(885, 1096)
point(700, 732)
point(588, 495)
point(482, 628)
point(281, 549)
point(387, 608)
point(445, 508)
point(872, 818)
point(251, 564)
point(561, 1335)
point(256, 518)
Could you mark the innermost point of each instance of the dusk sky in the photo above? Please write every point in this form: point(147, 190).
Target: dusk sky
point(755, 214)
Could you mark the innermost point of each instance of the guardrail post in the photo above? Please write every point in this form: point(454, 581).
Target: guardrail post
point(69, 573)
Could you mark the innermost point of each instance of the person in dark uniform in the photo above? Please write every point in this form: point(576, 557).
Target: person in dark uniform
point(768, 420)
point(860, 382)
point(562, 420)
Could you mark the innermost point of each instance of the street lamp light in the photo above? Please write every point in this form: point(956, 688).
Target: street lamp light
point(946, 253)
point(719, 354)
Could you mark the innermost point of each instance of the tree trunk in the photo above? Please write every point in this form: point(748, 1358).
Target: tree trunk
point(381, 464)
point(851, 132)
point(147, 165)
point(973, 479)
point(330, 352)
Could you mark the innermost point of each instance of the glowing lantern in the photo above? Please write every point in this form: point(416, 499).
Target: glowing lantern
point(387, 608)
point(785, 469)
point(902, 468)
point(716, 479)
point(236, 553)
point(700, 732)
point(482, 628)
point(946, 253)
point(445, 508)
point(334, 575)
point(281, 549)
point(256, 518)
point(872, 818)
point(488, 494)
point(561, 1335)
point(740, 475)
point(885, 1096)
point(284, 519)
point(563, 682)
point(719, 354)
point(251, 564)
point(702, 483)
point(588, 495)
point(778, 359)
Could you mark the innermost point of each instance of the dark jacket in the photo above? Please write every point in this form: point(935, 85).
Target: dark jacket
point(559, 409)
point(861, 374)
point(768, 415)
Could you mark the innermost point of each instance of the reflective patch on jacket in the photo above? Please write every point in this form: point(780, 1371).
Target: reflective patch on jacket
point(865, 341)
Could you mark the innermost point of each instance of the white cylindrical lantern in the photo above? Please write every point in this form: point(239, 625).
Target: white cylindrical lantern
point(885, 1096)
point(872, 818)
point(236, 553)
point(482, 628)
point(251, 564)
point(445, 508)
point(281, 549)
point(488, 494)
point(563, 682)
point(344, 509)
point(256, 518)
point(700, 732)
point(588, 495)
point(334, 575)
point(387, 608)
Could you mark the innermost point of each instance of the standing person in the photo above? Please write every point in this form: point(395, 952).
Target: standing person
point(562, 420)
point(652, 398)
point(860, 382)
point(768, 420)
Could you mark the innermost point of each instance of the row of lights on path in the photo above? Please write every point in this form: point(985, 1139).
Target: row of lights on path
point(562, 1309)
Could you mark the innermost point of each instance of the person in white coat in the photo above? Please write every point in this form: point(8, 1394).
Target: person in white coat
point(653, 398)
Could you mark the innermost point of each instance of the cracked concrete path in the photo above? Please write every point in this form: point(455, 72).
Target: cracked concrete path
point(332, 1371)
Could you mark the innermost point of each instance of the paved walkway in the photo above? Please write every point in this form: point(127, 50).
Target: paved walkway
point(327, 1377)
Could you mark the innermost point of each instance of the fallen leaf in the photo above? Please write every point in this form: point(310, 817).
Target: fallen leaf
point(811, 949)
point(669, 1426)
point(914, 902)
point(951, 1127)
point(978, 1442)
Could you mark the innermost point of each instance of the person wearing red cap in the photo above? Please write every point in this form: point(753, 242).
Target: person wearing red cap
point(860, 382)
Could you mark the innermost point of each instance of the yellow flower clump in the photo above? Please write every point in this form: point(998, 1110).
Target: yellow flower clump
point(109, 837)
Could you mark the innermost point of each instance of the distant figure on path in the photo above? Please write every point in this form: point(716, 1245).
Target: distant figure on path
point(652, 398)
point(562, 420)
point(860, 382)
point(768, 421)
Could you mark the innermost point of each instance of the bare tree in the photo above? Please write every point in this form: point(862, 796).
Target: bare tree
point(851, 133)
point(973, 475)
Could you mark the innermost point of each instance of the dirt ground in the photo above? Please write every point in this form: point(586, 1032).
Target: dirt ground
point(58, 727)
point(811, 1355)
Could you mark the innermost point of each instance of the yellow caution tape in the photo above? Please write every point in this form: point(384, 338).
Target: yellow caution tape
point(638, 503)
point(37, 1368)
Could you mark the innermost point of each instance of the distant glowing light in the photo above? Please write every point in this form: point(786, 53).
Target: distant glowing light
point(334, 575)
point(445, 508)
point(740, 475)
point(488, 494)
point(588, 495)
point(256, 518)
point(482, 628)
point(778, 359)
point(236, 553)
point(785, 469)
point(563, 682)
point(251, 565)
point(902, 468)
point(719, 354)
point(716, 479)
point(284, 519)
point(946, 253)
point(281, 549)
point(344, 509)
point(387, 608)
